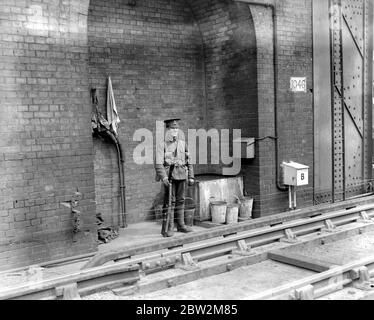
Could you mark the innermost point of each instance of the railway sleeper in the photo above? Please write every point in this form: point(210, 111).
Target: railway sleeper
point(358, 277)
point(364, 217)
point(258, 255)
point(363, 281)
point(290, 237)
point(330, 226)
point(237, 245)
point(68, 292)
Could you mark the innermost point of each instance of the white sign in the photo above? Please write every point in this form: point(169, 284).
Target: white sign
point(298, 84)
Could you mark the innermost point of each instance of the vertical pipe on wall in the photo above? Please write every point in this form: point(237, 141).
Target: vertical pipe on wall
point(121, 161)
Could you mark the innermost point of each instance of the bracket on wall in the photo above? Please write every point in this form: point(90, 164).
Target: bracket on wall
point(72, 205)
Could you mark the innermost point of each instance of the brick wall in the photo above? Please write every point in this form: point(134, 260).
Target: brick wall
point(152, 52)
point(230, 59)
point(295, 110)
point(172, 58)
point(231, 73)
point(46, 144)
point(106, 181)
point(240, 79)
point(166, 58)
point(230, 85)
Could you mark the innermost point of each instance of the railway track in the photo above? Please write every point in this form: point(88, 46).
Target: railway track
point(141, 271)
point(356, 274)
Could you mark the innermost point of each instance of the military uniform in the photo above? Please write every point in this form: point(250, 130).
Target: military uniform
point(173, 154)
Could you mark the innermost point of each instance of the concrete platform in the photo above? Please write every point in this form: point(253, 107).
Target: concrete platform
point(138, 234)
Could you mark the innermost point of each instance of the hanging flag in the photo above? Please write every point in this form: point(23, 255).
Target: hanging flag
point(111, 109)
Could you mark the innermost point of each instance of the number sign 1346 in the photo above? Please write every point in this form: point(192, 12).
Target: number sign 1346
point(298, 84)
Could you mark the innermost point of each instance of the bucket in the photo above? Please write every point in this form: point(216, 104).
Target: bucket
point(189, 215)
point(189, 212)
point(218, 211)
point(232, 213)
point(246, 206)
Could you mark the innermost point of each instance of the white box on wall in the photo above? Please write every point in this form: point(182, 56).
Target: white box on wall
point(295, 174)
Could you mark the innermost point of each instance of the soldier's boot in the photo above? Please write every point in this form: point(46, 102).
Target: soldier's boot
point(170, 232)
point(181, 227)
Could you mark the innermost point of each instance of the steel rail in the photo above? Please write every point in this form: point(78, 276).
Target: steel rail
point(129, 251)
point(128, 271)
point(320, 284)
point(236, 260)
point(255, 238)
point(86, 281)
point(52, 263)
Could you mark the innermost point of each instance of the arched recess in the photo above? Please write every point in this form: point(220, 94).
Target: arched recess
point(230, 59)
point(196, 60)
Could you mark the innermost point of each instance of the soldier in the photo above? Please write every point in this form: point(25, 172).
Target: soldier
point(173, 169)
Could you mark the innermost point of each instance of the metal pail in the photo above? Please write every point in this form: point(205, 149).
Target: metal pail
point(189, 211)
point(218, 211)
point(232, 214)
point(246, 206)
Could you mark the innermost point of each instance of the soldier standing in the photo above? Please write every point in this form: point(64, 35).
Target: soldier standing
point(174, 169)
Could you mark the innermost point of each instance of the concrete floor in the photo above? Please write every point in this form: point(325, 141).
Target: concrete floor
point(137, 234)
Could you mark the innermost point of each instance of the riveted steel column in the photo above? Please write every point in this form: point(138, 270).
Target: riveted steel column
point(368, 93)
point(338, 101)
point(350, 134)
point(356, 54)
point(322, 76)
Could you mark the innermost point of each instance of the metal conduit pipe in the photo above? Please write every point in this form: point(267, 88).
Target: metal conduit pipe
point(275, 65)
point(121, 169)
point(122, 182)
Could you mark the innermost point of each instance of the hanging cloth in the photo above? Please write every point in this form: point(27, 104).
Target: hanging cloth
point(111, 109)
